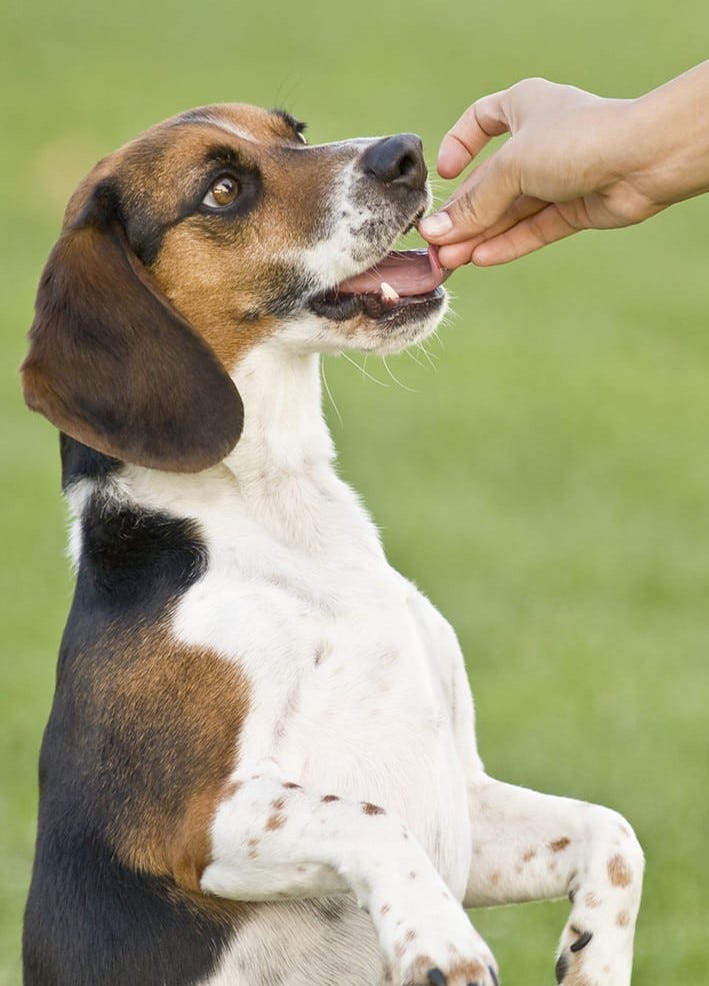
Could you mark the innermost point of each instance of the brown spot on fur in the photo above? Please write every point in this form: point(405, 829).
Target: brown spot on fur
point(385, 908)
point(369, 809)
point(275, 822)
point(592, 901)
point(619, 872)
point(278, 804)
point(251, 848)
point(529, 855)
point(559, 844)
point(173, 714)
point(327, 798)
point(292, 786)
point(622, 919)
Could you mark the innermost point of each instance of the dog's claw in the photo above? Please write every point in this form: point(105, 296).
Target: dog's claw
point(436, 977)
point(582, 941)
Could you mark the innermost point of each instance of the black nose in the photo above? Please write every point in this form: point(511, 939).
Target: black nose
point(397, 161)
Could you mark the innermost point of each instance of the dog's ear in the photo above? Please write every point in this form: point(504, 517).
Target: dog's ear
point(114, 365)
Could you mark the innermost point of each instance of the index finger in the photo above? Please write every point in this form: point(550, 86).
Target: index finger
point(483, 119)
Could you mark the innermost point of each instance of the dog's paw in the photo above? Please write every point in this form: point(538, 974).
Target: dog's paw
point(442, 950)
point(455, 972)
point(593, 957)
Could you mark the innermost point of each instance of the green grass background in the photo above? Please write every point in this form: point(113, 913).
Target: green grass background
point(547, 484)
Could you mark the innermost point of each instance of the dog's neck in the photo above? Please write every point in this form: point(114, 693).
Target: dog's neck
point(280, 476)
point(284, 430)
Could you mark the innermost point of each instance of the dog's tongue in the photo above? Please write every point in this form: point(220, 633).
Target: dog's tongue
point(408, 272)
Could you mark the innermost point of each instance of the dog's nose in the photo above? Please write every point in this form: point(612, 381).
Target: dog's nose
point(397, 161)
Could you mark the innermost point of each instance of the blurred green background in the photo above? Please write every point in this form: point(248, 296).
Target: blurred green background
point(544, 477)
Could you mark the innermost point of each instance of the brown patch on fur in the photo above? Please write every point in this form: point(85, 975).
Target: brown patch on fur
point(559, 844)
point(592, 901)
point(251, 848)
point(216, 297)
point(328, 798)
point(275, 822)
point(619, 872)
point(622, 919)
point(278, 804)
point(575, 977)
point(529, 855)
point(291, 786)
point(384, 909)
point(369, 809)
point(170, 716)
point(456, 971)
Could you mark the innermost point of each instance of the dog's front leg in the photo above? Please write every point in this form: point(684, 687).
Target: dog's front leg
point(272, 840)
point(531, 846)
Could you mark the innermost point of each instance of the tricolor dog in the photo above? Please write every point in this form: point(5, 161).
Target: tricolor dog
point(260, 766)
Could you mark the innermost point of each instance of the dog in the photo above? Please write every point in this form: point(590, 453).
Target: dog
point(260, 766)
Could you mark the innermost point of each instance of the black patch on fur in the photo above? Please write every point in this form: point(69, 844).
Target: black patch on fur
point(81, 462)
point(132, 564)
point(89, 918)
point(91, 921)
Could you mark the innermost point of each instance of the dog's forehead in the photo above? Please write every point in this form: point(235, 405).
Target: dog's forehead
point(159, 163)
point(233, 123)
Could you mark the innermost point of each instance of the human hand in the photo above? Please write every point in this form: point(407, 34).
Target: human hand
point(573, 161)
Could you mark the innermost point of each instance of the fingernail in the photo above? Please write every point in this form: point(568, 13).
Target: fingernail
point(436, 225)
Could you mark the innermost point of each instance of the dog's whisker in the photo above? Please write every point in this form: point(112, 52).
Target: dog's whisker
point(326, 385)
point(363, 371)
point(411, 390)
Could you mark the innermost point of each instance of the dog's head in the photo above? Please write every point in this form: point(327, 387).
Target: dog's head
point(194, 243)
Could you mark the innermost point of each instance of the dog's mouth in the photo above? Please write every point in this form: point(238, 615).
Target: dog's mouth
point(400, 281)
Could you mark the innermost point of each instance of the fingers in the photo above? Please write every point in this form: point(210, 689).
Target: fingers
point(454, 255)
point(529, 235)
point(530, 225)
point(467, 137)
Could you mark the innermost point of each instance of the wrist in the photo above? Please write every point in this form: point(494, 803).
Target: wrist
point(668, 134)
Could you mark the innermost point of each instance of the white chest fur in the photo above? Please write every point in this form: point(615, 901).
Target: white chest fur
point(352, 672)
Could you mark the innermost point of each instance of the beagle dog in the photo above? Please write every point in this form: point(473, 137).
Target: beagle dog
point(260, 766)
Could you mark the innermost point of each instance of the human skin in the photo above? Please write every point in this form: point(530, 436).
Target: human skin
point(573, 161)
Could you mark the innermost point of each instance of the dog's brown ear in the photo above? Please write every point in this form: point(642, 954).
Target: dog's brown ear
point(111, 362)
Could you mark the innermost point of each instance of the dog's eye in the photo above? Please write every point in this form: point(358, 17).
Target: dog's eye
point(223, 192)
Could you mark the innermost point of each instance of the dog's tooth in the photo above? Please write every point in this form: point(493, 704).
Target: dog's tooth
point(388, 292)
